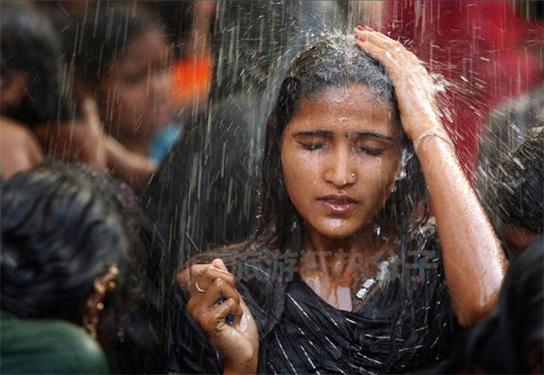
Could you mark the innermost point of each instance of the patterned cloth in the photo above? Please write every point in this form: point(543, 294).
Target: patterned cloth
point(398, 328)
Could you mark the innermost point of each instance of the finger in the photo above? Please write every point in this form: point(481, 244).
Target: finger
point(90, 115)
point(185, 277)
point(380, 54)
point(207, 277)
point(378, 38)
point(233, 309)
point(200, 304)
point(218, 264)
point(215, 319)
point(217, 269)
point(219, 289)
point(383, 41)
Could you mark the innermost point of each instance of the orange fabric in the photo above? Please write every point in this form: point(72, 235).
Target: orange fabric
point(191, 78)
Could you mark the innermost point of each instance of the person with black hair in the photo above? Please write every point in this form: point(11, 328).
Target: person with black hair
point(511, 339)
point(345, 273)
point(69, 258)
point(36, 96)
point(29, 50)
point(518, 192)
point(124, 65)
point(31, 90)
point(222, 143)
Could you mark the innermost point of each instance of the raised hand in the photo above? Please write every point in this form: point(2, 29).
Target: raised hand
point(414, 87)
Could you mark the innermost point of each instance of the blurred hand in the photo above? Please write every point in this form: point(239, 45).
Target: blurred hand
point(85, 141)
point(414, 87)
point(19, 150)
point(135, 169)
point(237, 343)
point(80, 141)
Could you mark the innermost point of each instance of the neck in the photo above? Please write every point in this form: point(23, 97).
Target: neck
point(345, 260)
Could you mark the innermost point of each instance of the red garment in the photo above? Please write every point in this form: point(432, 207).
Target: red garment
point(480, 47)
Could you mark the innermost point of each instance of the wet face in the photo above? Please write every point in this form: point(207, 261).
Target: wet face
point(340, 155)
point(135, 96)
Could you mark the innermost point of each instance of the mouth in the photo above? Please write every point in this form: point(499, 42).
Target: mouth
point(339, 204)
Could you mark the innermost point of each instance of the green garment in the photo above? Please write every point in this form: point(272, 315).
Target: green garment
point(47, 346)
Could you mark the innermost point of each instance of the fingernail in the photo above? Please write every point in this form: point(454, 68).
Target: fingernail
point(368, 28)
point(359, 27)
point(361, 38)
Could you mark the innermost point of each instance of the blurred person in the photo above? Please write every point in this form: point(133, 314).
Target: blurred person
point(35, 95)
point(19, 149)
point(517, 195)
point(122, 60)
point(346, 273)
point(30, 92)
point(509, 124)
point(70, 269)
point(511, 340)
point(188, 25)
point(507, 127)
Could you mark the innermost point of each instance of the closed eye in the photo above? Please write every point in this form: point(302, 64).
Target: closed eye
point(371, 151)
point(312, 146)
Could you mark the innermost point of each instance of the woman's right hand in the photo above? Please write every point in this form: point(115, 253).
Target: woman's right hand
point(237, 343)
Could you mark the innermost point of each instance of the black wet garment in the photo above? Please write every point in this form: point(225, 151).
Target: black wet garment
point(397, 329)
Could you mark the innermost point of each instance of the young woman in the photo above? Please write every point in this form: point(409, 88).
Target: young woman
point(124, 65)
point(69, 256)
point(345, 273)
point(40, 114)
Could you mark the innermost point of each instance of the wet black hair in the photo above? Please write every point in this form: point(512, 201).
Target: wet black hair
point(246, 58)
point(519, 191)
point(29, 45)
point(104, 35)
point(62, 226)
point(335, 61)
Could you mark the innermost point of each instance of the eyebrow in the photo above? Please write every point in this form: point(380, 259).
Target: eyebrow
point(328, 133)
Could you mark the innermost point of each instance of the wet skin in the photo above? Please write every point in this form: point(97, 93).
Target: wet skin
point(340, 156)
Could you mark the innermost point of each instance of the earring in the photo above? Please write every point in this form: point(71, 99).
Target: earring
point(377, 230)
point(90, 323)
point(90, 326)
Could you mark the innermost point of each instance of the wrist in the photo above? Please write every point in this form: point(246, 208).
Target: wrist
point(246, 368)
point(436, 133)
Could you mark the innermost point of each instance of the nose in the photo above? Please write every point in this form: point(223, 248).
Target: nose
point(160, 84)
point(340, 169)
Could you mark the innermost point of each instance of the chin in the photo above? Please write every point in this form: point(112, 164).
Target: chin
point(337, 229)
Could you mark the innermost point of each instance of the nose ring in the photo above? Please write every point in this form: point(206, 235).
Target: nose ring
point(353, 177)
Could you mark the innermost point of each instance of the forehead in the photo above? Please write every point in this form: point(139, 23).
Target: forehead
point(150, 44)
point(346, 108)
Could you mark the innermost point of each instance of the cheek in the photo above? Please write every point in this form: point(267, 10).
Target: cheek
point(300, 173)
point(386, 174)
point(133, 97)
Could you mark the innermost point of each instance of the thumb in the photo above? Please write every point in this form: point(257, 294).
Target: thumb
point(89, 112)
point(218, 263)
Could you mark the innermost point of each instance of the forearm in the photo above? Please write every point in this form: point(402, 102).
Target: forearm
point(133, 168)
point(473, 259)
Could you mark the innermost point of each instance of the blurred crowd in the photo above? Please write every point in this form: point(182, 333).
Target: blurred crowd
point(130, 140)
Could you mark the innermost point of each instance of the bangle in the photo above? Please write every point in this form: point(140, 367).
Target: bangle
point(429, 133)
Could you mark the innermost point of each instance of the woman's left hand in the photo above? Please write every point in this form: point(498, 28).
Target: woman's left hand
point(414, 87)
